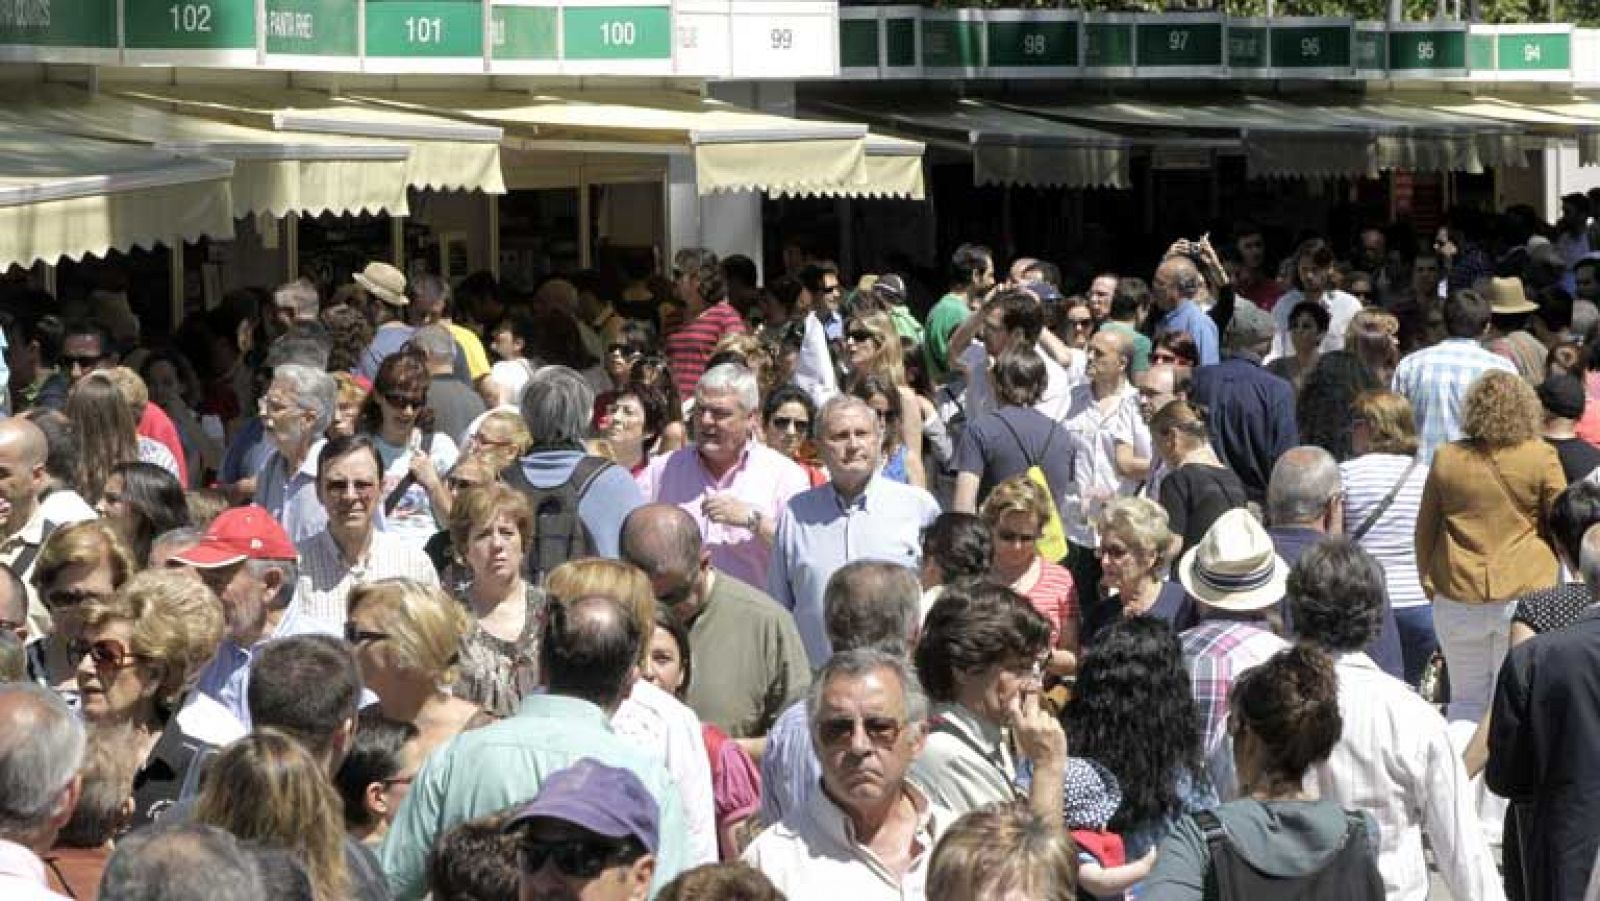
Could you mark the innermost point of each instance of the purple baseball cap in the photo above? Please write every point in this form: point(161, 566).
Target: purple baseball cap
point(605, 800)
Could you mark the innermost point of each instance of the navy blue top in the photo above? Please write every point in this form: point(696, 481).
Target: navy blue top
point(1291, 542)
point(1250, 413)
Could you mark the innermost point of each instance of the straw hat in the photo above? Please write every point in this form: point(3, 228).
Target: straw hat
point(1234, 567)
point(384, 282)
point(1506, 296)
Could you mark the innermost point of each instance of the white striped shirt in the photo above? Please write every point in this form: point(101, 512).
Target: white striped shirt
point(1392, 539)
point(326, 577)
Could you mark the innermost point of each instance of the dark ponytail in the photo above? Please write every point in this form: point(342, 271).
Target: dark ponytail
point(1291, 705)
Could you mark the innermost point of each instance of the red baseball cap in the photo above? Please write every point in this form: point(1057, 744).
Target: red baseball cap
point(242, 533)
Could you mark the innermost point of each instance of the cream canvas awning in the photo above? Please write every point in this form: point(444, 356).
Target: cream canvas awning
point(734, 149)
point(1007, 147)
point(274, 173)
point(894, 171)
point(446, 154)
point(69, 197)
point(1581, 109)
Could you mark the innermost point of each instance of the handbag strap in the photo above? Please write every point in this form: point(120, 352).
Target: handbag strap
point(1383, 505)
point(1506, 489)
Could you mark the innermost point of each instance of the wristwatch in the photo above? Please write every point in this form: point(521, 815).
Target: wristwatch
point(753, 521)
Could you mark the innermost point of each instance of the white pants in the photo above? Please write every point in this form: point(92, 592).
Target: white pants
point(1474, 638)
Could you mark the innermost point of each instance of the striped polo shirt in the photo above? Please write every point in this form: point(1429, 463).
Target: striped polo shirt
point(690, 347)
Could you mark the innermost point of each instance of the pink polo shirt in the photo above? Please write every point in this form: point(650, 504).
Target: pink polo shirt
point(763, 478)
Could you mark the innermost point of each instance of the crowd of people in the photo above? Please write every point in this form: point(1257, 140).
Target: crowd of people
point(1243, 582)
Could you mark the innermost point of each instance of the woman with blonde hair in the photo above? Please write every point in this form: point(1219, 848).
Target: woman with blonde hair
point(266, 788)
point(502, 436)
point(872, 348)
point(649, 716)
point(349, 397)
point(81, 562)
point(407, 638)
point(1383, 486)
point(138, 653)
point(1016, 512)
point(1197, 488)
point(491, 526)
point(1478, 539)
point(1136, 570)
point(1003, 852)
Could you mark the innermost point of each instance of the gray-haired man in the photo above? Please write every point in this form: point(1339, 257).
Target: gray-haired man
point(295, 412)
point(41, 747)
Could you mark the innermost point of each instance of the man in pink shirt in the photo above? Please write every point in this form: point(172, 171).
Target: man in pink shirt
point(733, 487)
point(41, 748)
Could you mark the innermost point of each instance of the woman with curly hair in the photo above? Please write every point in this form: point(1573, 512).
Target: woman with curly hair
point(351, 332)
point(1284, 719)
point(1323, 408)
point(1132, 712)
point(1479, 542)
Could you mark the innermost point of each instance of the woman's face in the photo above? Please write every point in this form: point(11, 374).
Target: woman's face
point(162, 380)
point(618, 363)
point(346, 413)
point(1313, 277)
point(495, 548)
point(664, 667)
point(1016, 539)
point(400, 406)
point(992, 693)
point(113, 684)
point(113, 506)
point(1305, 333)
point(626, 421)
point(787, 428)
point(860, 345)
point(1122, 563)
point(368, 626)
point(1080, 326)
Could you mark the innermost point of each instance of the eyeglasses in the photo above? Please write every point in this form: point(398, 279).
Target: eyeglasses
point(359, 636)
point(1010, 537)
point(577, 858)
point(105, 654)
point(859, 336)
point(401, 401)
point(81, 361)
point(1113, 551)
point(883, 731)
point(790, 424)
point(620, 350)
point(68, 598)
point(832, 289)
point(1079, 323)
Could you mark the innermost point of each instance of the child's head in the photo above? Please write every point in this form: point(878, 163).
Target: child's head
point(1090, 795)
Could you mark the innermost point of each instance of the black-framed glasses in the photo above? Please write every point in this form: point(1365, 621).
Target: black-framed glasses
point(401, 401)
point(359, 636)
point(883, 731)
point(860, 336)
point(791, 424)
point(577, 858)
point(82, 361)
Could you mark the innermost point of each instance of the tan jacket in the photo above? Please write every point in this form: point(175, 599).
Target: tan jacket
point(1474, 543)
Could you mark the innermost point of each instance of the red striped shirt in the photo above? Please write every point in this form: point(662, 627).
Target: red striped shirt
point(690, 347)
point(1055, 596)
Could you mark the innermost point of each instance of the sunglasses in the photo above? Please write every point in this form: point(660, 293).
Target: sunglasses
point(105, 654)
point(577, 858)
point(1080, 323)
point(1010, 537)
point(883, 731)
point(358, 636)
point(81, 361)
point(790, 424)
point(859, 336)
point(401, 401)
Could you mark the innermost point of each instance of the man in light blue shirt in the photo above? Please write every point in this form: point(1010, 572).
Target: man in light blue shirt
point(588, 654)
point(295, 412)
point(857, 515)
point(1174, 288)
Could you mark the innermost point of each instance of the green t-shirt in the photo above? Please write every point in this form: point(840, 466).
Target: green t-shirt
point(945, 317)
point(1141, 344)
point(749, 661)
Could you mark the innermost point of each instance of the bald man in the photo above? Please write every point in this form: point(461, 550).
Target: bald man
point(23, 526)
point(752, 662)
point(1174, 289)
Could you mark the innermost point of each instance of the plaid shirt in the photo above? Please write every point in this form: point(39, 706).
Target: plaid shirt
point(1435, 380)
point(1216, 652)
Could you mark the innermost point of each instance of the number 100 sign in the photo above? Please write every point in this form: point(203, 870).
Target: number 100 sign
point(616, 32)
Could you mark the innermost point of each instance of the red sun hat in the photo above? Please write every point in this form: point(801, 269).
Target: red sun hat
point(242, 533)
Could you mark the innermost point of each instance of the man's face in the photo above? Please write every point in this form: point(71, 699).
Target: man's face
point(1156, 389)
point(504, 345)
point(1374, 247)
point(1252, 251)
point(1425, 274)
point(721, 425)
point(13, 609)
point(996, 337)
point(1105, 356)
point(348, 487)
point(850, 443)
point(983, 280)
point(244, 599)
point(20, 485)
point(1164, 287)
point(1588, 286)
point(286, 423)
point(828, 298)
point(81, 355)
point(1100, 293)
point(564, 862)
point(863, 740)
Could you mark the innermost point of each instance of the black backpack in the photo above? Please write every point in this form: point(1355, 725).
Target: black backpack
point(1351, 874)
point(559, 534)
